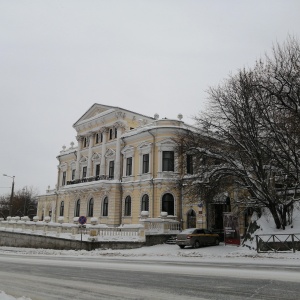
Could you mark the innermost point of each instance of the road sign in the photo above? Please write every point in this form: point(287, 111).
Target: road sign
point(82, 220)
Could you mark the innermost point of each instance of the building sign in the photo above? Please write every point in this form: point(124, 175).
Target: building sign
point(200, 208)
point(231, 229)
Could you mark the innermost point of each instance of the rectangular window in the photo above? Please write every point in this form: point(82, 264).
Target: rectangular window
point(101, 137)
point(129, 166)
point(97, 170)
point(73, 174)
point(97, 138)
point(145, 163)
point(84, 172)
point(168, 161)
point(110, 133)
point(111, 169)
point(64, 174)
point(189, 164)
point(116, 133)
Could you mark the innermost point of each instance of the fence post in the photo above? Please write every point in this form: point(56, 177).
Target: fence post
point(257, 248)
point(293, 244)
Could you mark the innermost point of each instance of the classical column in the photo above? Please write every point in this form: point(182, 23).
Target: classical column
point(103, 150)
point(77, 172)
point(118, 154)
point(91, 144)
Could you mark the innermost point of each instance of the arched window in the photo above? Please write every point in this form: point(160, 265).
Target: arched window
point(61, 211)
point(91, 207)
point(105, 207)
point(127, 211)
point(77, 208)
point(145, 203)
point(168, 204)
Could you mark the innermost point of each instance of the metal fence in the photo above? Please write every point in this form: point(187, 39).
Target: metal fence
point(278, 242)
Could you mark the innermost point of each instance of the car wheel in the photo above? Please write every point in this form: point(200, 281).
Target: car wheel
point(181, 246)
point(217, 242)
point(197, 244)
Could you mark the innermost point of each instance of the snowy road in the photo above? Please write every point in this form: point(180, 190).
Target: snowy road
point(41, 277)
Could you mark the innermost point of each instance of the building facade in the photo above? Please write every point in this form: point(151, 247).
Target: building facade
point(124, 164)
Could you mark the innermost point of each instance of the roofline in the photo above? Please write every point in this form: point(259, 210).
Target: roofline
point(110, 107)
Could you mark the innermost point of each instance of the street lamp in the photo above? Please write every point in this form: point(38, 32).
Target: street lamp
point(12, 193)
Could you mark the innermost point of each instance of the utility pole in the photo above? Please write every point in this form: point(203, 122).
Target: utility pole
point(12, 194)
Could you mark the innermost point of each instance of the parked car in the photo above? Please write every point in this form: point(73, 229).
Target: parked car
point(197, 237)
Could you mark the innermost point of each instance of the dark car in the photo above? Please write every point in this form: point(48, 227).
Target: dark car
point(197, 237)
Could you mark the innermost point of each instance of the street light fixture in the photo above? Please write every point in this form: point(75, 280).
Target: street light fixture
point(12, 193)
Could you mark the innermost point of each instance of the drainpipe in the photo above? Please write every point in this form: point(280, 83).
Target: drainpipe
point(153, 170)
point(120, 186)
point(181, 206)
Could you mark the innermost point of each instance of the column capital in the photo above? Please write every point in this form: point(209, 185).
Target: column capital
point(79, 138)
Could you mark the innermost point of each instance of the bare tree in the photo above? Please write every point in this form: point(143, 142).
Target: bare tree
point(250, 134)
point(24, 203)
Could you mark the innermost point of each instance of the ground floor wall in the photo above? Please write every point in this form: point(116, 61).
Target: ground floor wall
point(147, 195)
point(190, 212)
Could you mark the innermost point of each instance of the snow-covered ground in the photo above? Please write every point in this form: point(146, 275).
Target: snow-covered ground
point(215, 254)
point(4, 296)
point(222, 253)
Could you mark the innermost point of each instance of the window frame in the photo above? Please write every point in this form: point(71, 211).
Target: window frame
point(84, 172)
point(145, 203)
point(64, 177)
point(129, 166)
point(61, 209)
point(168, 163)
point(105, 207)
point(127, 206)
point(77, 208)
point(111, 169)
point(189, 164)
point(97, 170)
point(168, 204)
point(146, 163)
point(90, 211)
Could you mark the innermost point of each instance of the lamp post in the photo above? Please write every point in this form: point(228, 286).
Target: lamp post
point(12, 193)
point(25, 196)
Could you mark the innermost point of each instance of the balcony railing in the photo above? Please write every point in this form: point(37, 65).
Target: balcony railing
point(89, 179)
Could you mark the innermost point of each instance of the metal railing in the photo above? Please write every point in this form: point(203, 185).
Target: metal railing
point(277, 242)
point(89, 179)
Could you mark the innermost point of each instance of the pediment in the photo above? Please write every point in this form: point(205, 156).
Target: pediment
point(128, 149)
point(96, 156)
point(110, 153)
point(94, 111)
point(144, 145)
point(167, 142)
point(83, 159)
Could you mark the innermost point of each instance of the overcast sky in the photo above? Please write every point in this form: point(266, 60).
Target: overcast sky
point(59, 57)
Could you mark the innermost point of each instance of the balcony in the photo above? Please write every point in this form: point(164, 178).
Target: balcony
point(90, 179)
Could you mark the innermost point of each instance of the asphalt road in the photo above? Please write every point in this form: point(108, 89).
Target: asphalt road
point(101, 278)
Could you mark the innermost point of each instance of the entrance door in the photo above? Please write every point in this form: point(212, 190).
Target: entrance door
point(191, 219)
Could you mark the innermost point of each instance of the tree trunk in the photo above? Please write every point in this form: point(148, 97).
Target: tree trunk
point(274, 213)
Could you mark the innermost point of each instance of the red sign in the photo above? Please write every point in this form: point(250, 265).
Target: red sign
point(231, 229)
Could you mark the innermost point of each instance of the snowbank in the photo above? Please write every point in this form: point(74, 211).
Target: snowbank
point(4, 296)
